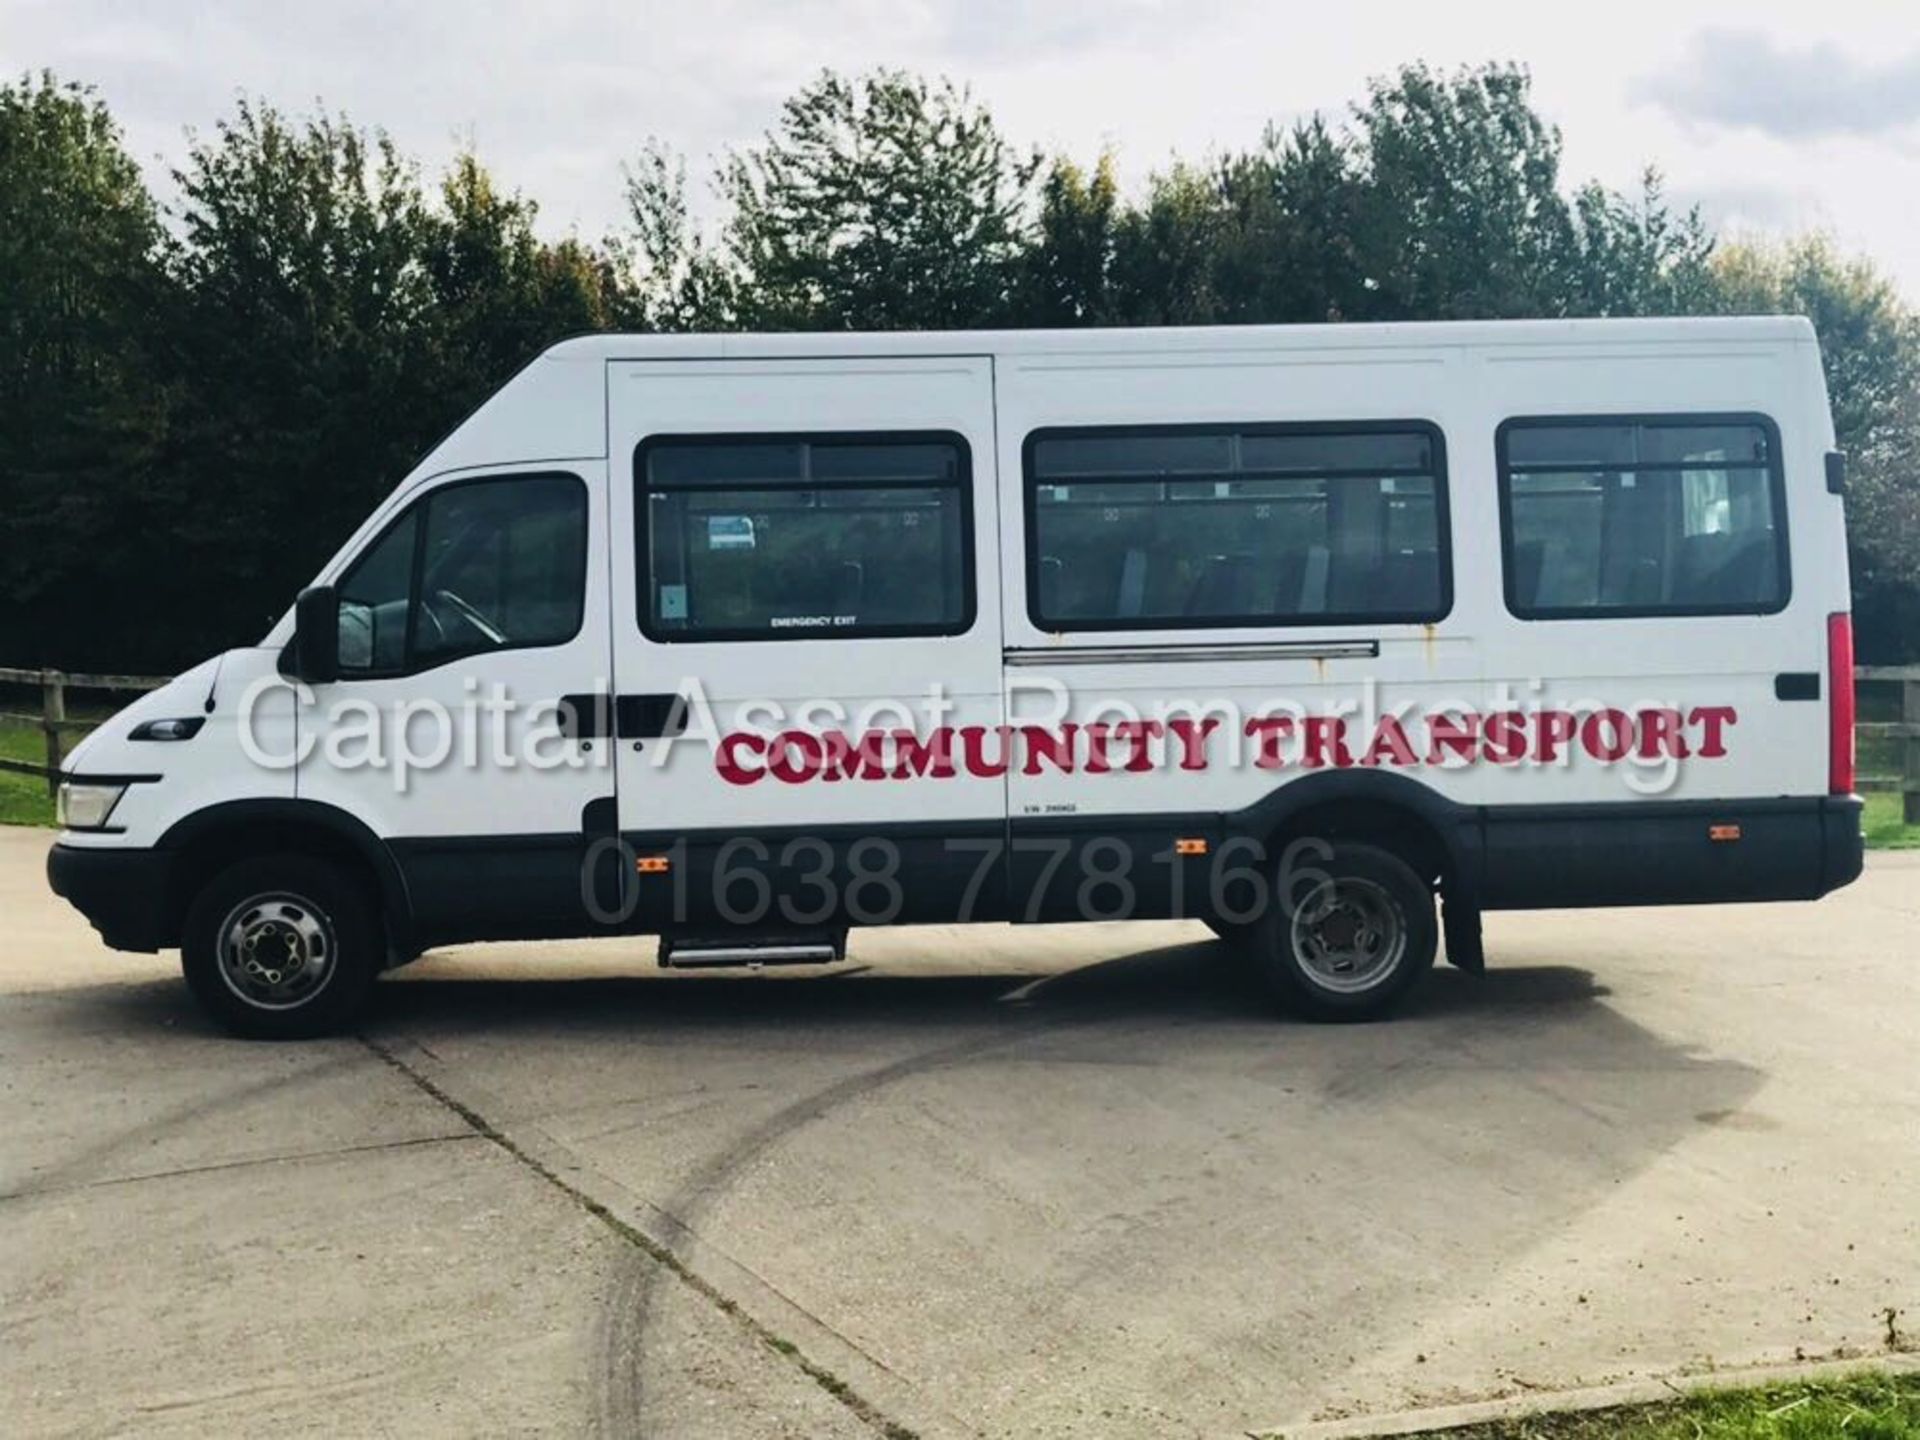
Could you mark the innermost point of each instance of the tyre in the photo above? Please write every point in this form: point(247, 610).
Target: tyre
point(1355, 934)
point(282, 947)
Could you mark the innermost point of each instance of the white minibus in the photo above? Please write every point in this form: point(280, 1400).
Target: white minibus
point(1331, 637)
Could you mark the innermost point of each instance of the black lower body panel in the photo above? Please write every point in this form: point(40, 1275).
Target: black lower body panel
point(1692, 852)
point(127, 895)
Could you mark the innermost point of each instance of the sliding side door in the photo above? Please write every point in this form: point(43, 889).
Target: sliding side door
point(806, 639)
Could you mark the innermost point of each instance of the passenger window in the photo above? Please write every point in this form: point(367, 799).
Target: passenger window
point(795, 537)
point(1671, 516)
point(1248, 525)
point(474, 566)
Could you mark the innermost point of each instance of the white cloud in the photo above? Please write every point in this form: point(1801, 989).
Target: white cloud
point(555, 94)
point(1744, 78)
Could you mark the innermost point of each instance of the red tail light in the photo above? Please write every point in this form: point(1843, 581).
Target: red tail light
point(1840, 711)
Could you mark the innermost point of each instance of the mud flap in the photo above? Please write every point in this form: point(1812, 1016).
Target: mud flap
point(1460, 929)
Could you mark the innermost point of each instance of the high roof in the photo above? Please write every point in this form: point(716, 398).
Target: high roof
point(1174, 339)
point(555, 408)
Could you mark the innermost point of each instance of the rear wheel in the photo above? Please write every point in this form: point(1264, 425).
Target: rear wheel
point(1352, 938)
point(282, 947)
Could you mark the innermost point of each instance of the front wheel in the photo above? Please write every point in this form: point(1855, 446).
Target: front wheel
point(1352, 938)
point(282, 947)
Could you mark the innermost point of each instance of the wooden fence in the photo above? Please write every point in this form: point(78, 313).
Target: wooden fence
point(54, 685)
point(52, 719)
point(1906, 730)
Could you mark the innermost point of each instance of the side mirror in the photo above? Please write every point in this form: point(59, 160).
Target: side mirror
point(316, 634)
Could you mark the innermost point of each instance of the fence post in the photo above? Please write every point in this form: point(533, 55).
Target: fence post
point(1910, 765)
point(53, 714)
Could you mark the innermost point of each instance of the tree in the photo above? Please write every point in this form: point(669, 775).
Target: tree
point(1461, 214)
point(212, 411)
point(683, 280)
point(305, 351)
point(1303, 232)
point(82, 409)
point(1635, 257)
point(1166, 253)
point(1870, 345)
point(498, 293)
point(1066, 273)
point(881, 202)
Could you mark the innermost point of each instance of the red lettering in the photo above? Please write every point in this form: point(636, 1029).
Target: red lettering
point(1045, 745)
point(1506, 737)
point(1555, 728)
point(1269, 731)
point(1326, 743)
point(1193, 738)
point(1390, 744)
point(1449, 732)
point(847, 759)
point(1139, 733)
point(1607, 746)
point(973, 750)
point(813, 755)
point(1660, 734)
point(934, 757)
point(726, 758)
point(1713, 721)
point(1096, 734)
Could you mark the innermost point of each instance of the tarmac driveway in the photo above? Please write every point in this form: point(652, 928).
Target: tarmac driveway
point(1055, 1181)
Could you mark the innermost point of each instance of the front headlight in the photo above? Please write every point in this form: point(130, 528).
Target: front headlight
point(86, 806)
point(184, 728)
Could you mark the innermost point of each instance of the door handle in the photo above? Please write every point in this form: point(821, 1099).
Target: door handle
point(649, 717)
point(1797, 685)
point(586, 717)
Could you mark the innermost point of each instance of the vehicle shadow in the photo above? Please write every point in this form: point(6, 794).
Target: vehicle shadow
point(1175, 983)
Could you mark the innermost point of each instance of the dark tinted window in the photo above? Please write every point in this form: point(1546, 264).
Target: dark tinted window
point(1669, 516)
point(501, 565)
point(797, 538)
point(373, 602)
point(1258, 526)
point(504, 563)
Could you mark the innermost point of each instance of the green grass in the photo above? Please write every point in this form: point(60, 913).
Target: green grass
point(23, 798)
point(1883, 825)
point(1859, 1407)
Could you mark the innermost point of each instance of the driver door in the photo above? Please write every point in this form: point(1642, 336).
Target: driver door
point(465, 621)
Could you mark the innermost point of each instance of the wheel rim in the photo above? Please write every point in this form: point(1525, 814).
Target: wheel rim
point(276, 950)
point(1350, 935)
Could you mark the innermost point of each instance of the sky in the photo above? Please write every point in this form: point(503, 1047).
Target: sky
point(1774, 116)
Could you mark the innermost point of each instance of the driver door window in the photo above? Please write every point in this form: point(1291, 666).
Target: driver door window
point(472, 567)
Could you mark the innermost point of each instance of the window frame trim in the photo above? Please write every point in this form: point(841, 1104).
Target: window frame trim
point(1775, 467)
point(415, 506)
point(963, 482)
point(1443, 521)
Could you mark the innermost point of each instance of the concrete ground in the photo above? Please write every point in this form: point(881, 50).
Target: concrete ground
point(1061, 1181)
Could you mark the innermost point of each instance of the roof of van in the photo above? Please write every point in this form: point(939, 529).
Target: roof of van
point(547, 413)
point(1136, 340)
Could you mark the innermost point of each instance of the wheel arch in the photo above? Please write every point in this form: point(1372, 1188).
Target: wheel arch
point(203, 843)
point(1437, 836)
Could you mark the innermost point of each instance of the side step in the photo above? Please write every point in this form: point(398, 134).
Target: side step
point(754, 948)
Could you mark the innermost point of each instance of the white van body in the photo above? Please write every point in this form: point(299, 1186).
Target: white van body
point(915, 627)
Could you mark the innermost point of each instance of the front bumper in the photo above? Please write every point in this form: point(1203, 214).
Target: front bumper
point(127, 895)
